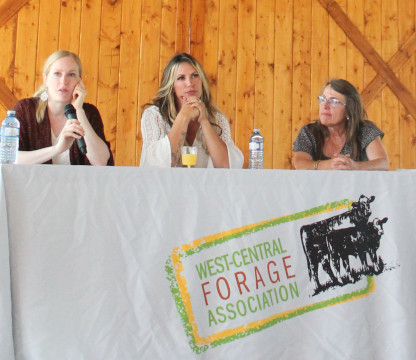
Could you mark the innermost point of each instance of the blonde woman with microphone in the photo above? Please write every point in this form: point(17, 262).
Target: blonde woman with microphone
point(48, 133)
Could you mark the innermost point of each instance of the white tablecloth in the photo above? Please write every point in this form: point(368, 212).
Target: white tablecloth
point(6, 331)
point(129, 263)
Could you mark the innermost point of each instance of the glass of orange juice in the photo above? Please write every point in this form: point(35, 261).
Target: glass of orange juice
point(189, 154)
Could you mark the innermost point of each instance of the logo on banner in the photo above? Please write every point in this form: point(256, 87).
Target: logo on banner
point(329, 242)
point(242, 281)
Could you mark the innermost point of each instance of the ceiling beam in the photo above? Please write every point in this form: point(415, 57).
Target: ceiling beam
point(368, 51)
point(9, 9)
point(7, 98)
point(405, 52)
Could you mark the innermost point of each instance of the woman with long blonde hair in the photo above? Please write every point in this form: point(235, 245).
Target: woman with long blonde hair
point(46, 134)
point(182, 113)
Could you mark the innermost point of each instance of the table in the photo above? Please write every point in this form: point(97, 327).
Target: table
point(6, 332)
point(124, 262)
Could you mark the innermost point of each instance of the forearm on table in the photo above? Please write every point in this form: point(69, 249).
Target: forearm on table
point(177, 135)
point(216, 146)
point(97, 150)
point(375, 164)
point(303, 161)
point(37, 156)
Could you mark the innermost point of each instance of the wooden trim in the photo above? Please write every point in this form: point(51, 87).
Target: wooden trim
point(362, 44)
point(9, 9)
point(397, 61)
point(7, 98)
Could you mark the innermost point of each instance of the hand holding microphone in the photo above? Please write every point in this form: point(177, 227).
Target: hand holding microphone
point(71, 113)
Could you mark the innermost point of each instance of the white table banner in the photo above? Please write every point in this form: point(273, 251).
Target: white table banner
point(126, 263)
point(6, 330)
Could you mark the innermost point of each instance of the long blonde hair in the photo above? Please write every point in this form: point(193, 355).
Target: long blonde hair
point(165, 97)
point(41, 105)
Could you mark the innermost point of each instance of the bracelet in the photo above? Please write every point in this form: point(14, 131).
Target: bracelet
point(315, 164)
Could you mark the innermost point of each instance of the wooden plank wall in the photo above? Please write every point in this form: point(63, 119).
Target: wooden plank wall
point(266, 61)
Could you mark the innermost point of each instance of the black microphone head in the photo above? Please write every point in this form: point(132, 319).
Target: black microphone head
point(70, 110)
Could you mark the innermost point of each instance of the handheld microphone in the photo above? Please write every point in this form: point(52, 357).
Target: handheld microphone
point(71, 113)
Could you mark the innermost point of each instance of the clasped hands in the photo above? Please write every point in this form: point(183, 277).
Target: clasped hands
point(342, 162)
point(194, 108)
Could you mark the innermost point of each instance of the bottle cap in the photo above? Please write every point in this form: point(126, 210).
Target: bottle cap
point(256, 130)
point(11, 112)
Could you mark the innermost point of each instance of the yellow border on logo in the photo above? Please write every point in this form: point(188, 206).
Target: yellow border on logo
point(182, 284)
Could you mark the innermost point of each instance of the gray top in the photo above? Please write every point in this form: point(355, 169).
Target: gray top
point(305, 141)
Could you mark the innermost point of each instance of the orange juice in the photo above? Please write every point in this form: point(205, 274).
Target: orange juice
point(189, 159)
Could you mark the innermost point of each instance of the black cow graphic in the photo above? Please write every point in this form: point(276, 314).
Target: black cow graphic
point(331, 240)
point(362, 243)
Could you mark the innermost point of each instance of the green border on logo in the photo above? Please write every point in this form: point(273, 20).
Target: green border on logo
point(178, 285)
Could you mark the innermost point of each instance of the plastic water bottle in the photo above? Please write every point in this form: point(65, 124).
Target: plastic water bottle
point(255, 159)
point(9, 138)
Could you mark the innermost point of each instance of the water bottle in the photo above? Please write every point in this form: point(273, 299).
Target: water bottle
point(255, 159)
point(9, 138)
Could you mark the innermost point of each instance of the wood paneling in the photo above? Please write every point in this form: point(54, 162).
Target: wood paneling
point(266, 61)
point(109, 67)
point(70, 25)
point(264, 76)
point(282, 82)
point(302, 39)
point(407, 40)
point(246, 67)
point(48, 37)
point(337, 47)
point(89, 49)
point(390, 106)
point(354, 59)
point(227, 61)
point(25, 53)
point(127, 108)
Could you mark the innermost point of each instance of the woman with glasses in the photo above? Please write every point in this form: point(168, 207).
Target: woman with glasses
point(342, 138)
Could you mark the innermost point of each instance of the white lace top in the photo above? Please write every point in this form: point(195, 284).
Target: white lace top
point(156, 151)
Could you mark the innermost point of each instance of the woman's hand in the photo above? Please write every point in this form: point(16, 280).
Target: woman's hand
point(216, 146)
point(188, 109)
point(189, 112)
point(377, 159)
point(342, 162)
point(71, 131)
point(197, 103)
point(78, 95)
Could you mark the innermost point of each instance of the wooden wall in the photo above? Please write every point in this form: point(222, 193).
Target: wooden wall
point(266, 60)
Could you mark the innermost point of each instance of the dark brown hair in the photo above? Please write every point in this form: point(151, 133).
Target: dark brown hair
point(356, 118)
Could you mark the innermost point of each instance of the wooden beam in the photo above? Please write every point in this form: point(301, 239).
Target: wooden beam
point(397, 61)
point(375, 60)
point(9, 9)
point(7, 98)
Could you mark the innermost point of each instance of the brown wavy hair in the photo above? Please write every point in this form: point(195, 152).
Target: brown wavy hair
point(356, 118)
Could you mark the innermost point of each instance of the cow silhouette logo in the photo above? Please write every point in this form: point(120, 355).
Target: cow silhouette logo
point(331, 244)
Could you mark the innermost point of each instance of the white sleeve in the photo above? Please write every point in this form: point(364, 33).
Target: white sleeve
point(235, 156)
point(156, 151)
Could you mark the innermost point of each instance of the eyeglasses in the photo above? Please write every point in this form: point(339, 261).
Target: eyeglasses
point(331, 102)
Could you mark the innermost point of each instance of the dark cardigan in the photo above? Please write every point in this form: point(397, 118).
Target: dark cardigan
point(34, 136)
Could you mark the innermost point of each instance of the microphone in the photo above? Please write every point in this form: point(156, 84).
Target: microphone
point(71, 113)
